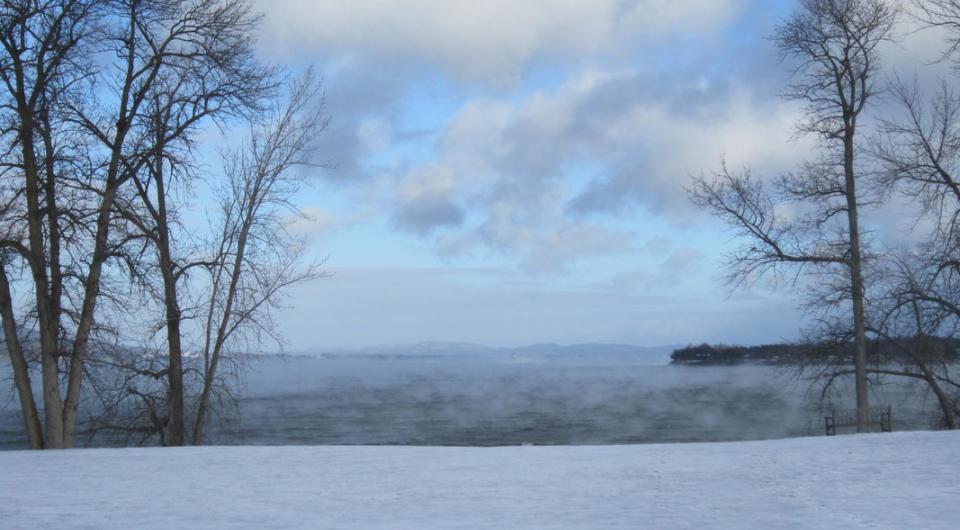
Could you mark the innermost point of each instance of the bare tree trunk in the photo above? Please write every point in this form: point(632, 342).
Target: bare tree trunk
point(78, 354)
point(48, 326)
point(856, 281)
point(117, 173)
point(175, 433)
point(946, 404)
point(209, 376)
point(21, 375)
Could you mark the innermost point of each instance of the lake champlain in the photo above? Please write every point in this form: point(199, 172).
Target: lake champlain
point(491, 400)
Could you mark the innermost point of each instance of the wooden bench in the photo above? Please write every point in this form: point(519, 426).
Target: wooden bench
point(872, 416)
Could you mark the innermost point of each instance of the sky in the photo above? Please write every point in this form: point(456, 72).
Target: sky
point(514, 172)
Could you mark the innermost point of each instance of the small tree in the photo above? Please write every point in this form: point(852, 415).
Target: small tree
point(256, 257)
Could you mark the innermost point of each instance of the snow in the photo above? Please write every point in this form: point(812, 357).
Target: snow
point(899, 480)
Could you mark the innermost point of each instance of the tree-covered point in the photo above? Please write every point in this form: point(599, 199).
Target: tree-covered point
point(899, 350)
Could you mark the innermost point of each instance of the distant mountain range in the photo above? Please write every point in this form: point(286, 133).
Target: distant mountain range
point(544, 351)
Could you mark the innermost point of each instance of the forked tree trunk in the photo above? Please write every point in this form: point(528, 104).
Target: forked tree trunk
point(209, 377)
point(47, 324)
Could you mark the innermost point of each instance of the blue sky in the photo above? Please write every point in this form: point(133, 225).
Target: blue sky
point(512, 172)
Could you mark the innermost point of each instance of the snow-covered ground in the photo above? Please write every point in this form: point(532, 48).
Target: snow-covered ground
point(900, 480)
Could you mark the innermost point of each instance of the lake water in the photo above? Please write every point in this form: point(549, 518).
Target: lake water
point(505, 400)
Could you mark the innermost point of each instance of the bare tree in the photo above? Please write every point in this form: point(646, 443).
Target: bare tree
point(78, 78)
point(919, 156)
point(44, 47)
point(250, 260)
point(256, 257)
point(943, 14)
point(913, 344)
point(913, 322)
point(834, 44)
point(223, 80)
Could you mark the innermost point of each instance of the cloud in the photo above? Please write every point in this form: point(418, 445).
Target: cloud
point(680, 261)
point(551, 247)
point(515, 167)
point(540, 177)
point(672, 274)
point(655, 142)
point(315, 223)
point(489, 41)
point(362, 106)
point(546, 174)
point(426, 213)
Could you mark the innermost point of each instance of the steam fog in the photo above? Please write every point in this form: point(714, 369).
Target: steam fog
point(503, 399)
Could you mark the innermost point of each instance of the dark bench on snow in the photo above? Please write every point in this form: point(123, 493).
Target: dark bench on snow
point(872, 416)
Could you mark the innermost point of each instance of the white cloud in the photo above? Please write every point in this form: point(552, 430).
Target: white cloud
point(487, 40)
point(506, 177)
point(525, 175)
point(316, 223)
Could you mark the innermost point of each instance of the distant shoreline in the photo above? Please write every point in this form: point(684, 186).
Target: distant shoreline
point(934, 348)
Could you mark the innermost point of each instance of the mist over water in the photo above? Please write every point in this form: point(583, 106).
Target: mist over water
point(489, 400)
point(504, 400)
